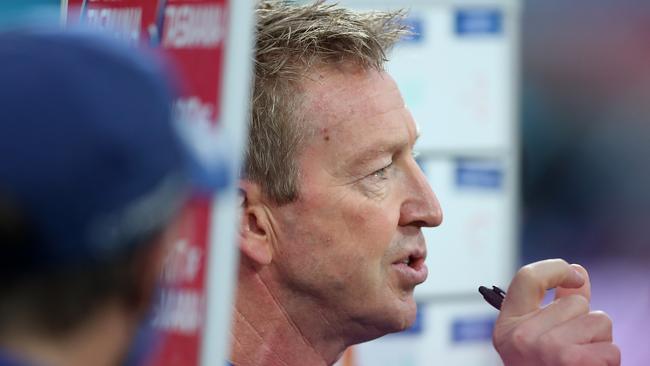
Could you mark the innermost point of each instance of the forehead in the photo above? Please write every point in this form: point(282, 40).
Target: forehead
point(354, 102)
point(330, 92)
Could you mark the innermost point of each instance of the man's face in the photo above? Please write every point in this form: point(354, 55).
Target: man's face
point(352, 243)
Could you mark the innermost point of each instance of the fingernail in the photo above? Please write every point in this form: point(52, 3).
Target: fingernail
point(577, 275)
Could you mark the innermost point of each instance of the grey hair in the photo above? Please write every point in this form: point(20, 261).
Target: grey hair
point(292, 40)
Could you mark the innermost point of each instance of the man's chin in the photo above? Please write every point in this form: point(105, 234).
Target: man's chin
point(410, 320)
point(392, 316)
point(404, 317)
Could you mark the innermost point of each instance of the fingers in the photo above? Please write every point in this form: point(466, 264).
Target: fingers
point(594, 354)
point(593, 327)
point(558, 312)
point(582, 341)
point(601, 354)
point(584, 290)
point(527, 289)
point(561, 334)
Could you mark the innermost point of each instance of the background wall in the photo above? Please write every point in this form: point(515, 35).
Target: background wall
point(585, 108)
point(583, 131)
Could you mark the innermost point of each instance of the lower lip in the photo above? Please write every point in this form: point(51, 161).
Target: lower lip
point(412, 275)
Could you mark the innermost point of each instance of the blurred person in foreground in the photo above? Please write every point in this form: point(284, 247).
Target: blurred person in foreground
point(91, 175)
point(334, 204)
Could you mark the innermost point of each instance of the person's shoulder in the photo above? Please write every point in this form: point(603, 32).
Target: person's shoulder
point(9, 360)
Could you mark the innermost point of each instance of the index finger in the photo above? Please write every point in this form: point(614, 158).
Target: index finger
point(527, 289)
point(584, 290)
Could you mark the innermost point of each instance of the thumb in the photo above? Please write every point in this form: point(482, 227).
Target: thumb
point(584, 290)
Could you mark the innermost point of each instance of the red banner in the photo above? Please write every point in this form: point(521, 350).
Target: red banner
point(179, 315)
point(191, 33)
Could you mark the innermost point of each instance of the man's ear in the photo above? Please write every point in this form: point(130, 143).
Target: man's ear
point(255, 230)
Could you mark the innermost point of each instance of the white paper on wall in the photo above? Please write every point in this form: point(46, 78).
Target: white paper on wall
point(473, 246)
point(456, 78)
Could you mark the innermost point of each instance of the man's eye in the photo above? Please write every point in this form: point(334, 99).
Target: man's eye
point(382, 173)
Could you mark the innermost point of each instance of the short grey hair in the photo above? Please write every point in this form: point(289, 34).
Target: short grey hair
point(291, 41)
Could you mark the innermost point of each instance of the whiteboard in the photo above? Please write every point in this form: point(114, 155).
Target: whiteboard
point(473, 246)
point(457, 83)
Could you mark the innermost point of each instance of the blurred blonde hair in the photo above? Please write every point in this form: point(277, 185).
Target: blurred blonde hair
point(291, 41)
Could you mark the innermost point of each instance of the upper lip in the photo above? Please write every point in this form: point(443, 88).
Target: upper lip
point(413, 253)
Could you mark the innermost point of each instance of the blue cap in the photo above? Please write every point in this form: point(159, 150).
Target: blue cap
point(90, 163)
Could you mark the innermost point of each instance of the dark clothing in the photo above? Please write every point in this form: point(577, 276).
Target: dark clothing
point(6, 359)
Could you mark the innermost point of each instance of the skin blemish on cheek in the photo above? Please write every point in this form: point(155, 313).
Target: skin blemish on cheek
point(325, 132)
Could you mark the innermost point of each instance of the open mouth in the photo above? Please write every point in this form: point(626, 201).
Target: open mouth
point(412, 261)
point(412, 269)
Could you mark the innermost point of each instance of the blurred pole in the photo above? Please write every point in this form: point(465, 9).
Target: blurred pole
point(64, 12)
point(223, 256)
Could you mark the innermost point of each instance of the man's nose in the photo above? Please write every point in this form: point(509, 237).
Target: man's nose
point(421, 207)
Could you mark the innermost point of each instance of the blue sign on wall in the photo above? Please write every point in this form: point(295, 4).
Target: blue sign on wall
point(483, 174)
point(472, 329)
point(478, 21)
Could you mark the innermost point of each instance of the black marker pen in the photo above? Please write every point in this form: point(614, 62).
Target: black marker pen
point(493, 296)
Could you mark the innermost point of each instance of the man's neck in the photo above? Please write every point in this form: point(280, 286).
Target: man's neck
point(102, 341)
point(269, 332)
